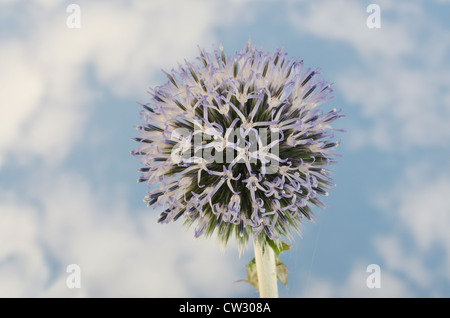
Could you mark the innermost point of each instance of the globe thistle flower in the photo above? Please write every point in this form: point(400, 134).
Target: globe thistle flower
point(237, 146)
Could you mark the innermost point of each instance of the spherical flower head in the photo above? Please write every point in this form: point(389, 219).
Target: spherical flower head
point(237, 146)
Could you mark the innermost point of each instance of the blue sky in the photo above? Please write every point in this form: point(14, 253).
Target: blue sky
point(68, 192)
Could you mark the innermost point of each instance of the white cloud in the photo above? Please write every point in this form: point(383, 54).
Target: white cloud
point(399, 80)
point(414, 255)
point(345, 21)
point(129, 44)
point(121, 253)
point(21, 93)
point(425, 211)
point(418, 206)
point(22, 266)
point(421, 205)
point(408, 106)
point(355, 286)
point(395, 258)
point(52, 75)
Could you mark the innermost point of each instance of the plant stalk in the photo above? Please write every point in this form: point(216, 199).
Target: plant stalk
point(266, 270)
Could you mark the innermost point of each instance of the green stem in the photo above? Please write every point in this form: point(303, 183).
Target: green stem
point(266, 270)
